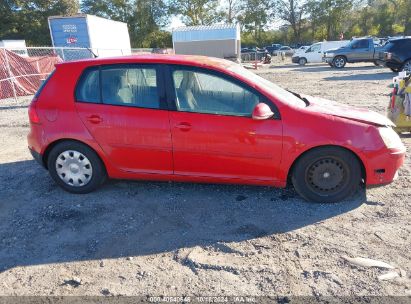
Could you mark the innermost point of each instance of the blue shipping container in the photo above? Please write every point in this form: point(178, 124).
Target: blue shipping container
point(70, 33)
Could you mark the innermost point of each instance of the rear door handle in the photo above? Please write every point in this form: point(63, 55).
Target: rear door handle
point(184, 126)
point(94, 119)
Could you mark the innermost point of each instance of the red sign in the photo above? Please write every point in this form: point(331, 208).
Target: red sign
point(71, 40)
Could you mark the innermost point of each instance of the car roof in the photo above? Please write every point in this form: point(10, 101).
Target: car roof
point(399, 39)
point(192, 60)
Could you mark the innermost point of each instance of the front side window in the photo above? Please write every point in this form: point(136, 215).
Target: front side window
point(130, 86)
point(360, 44)
point(202, 92)
point(314, 48)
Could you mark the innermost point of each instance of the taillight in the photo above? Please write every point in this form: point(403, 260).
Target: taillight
point(33, 116)
point(388, 56)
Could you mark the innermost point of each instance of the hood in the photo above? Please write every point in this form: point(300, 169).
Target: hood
point(331, 50)
point(298, 52)
point(336, 109)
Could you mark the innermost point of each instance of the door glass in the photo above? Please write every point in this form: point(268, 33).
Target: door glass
point(201, 92)
point(88, 89)
point(130, 86)
point(360, 44)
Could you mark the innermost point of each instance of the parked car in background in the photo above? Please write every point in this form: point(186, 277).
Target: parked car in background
point(288, 51)
point(202, 119)
point(255, 53)
point(358, 50)
point(396, 54)
point(272, 48)
point(315, 53)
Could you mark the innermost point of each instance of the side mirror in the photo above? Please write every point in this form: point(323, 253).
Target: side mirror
point(262, 112)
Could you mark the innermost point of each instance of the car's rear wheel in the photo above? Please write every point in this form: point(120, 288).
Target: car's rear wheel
point(327, 175)
point(76, 167)
point(339, 62)
point(302, 61)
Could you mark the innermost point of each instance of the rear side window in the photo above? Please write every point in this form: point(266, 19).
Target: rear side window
point(88, 89)
point(130, 86)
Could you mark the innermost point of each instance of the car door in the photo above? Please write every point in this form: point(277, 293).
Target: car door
point(361, 51)
point(124, 109)
point(313, 54)
point(213, 132)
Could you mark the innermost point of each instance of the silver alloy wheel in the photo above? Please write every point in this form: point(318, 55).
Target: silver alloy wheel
point(407, 66)
point(339, 62)
point(74, 168)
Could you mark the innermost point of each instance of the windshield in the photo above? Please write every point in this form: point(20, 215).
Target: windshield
point(282, 94)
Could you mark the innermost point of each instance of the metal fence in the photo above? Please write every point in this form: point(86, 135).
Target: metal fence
point(258, 58)
point(22, 70)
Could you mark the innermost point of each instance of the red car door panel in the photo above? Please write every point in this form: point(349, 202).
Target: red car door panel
point(125, 116)
point(225, 146)
point(134, 139)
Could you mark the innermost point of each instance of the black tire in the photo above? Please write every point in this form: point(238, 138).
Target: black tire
point(92, 181)
point(406, 66)
point(331, 65)
point(302, 61)
point(376, 63)
point(339, 62)
point(343, 170)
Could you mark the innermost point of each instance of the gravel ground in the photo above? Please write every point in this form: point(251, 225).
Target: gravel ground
point(153, 238)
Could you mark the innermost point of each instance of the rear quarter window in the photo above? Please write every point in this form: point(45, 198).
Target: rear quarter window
point(88, 87)
point(399, 45)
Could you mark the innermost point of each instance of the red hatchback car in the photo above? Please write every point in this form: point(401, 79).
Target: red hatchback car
point(200, 119)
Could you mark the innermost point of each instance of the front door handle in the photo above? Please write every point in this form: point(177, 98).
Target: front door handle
point(94, 119)
point(184, 126)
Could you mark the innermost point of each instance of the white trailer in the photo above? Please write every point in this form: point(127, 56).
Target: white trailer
point(104, 37)
point(220, 40)
point(16, 46)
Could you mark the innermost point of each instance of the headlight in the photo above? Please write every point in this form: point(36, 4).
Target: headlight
point(390, 137)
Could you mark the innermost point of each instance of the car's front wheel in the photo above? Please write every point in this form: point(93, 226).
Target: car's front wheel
point(339, 62)
point(302, 61)
point(327, 175)
point(76, 167)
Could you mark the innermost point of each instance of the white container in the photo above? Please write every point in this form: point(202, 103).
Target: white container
point(104, 37)
point(16, 46)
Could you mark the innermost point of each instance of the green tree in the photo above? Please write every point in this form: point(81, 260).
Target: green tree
point(119, 10)
point(145, 19)
point(232, 9)
point(197, 12)
point(254, 17)
point(292, 11)
point(29, 19)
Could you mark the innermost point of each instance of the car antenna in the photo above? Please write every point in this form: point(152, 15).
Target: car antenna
point(91, 51)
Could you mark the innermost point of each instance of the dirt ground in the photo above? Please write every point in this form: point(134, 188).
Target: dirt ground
point(153, 238)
